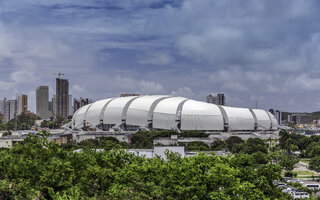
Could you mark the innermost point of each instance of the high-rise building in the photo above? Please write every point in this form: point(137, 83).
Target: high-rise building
point(278, 116)
point(54, 106)
point(62, 97)
point(1, 106)
point(302, 118)
point(212, 99)
point(42, 99)
point(22, 104)
point(50, 108)
point(25, 104)
point(10, 110)
point(78, 103)
point(219, 99)
point(70, 107)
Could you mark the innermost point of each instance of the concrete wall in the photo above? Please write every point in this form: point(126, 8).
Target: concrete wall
point(120, 137)
point(8, 142)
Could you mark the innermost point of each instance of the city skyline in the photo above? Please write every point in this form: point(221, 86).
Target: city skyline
point(259, 51)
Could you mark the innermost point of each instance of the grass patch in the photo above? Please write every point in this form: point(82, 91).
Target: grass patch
point(305, 173)
point(305, 160)
point(308, 177)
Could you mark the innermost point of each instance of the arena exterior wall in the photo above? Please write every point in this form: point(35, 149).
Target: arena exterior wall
point(170, 113)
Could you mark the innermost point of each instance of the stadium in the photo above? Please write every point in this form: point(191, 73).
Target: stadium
point(165, 112)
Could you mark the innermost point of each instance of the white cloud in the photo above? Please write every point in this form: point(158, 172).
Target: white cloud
point(184, 92)
point(240, 49)
point(77, 89)
point(155, 58)
point(150, 87)
point(6, 86)
point(303, 82)
point(235, 86)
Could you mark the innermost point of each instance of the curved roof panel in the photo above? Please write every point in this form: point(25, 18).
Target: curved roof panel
point(165, 113)
point(197, 115)
point(74, 117)
point(274, 121)
point(79, 117)
point(113, 113)
point(93, 113)
point(138, 111)
point(239, 119)
point(263, 119)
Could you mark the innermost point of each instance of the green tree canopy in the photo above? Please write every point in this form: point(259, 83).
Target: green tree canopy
point(197, 146)
point(39, 169)
point(233, 141)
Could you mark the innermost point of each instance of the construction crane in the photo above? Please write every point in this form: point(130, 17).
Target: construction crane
point(59, 74)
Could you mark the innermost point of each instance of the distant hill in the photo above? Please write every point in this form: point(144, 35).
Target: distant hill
point(316, 115)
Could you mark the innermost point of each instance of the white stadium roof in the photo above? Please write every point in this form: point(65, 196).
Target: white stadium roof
point(171, 113)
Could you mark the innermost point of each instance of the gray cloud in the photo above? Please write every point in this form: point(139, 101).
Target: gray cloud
point(189, 48)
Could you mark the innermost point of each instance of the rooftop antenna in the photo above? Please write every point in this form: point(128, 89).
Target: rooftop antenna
point(256, 104)
point(59, 74)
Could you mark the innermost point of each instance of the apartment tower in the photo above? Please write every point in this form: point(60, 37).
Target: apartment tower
point(42, 99)
point(62, 98)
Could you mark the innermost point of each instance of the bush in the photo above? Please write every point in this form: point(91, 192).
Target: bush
point(232, 141)
point(290, 174)
point(218, 145)
point(260, 158)
point(194, 134)
point(197, 146)
point(144, 139)
point(6, 133)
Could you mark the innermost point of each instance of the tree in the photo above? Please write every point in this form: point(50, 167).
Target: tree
point(288, 161)
point(253, 145)
point(40, 169)
point(284, 135)
point(193, 134)
point(233, 141)
point(218, 145)
point(315, 150)
point(6, 133)
point(260, 158)
point(290, 174)
point(291, 146)
point(315, 163)
point(197, 146)
point(3, 126)
point(144, 139)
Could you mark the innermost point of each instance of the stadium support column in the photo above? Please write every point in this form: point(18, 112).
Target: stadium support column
point(255, 120)
point(150, 113)
point(225, 118)
point(178, 115)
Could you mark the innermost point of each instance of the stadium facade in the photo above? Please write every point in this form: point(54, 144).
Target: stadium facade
point(164, 112)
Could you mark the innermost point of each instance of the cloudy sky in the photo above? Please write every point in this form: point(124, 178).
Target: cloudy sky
point(251, 50)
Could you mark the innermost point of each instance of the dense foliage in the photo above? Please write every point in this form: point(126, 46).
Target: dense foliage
point(144, 139)
point(24, 122)
point(197, 146)
point(39, 169)
point(53, 124)
point(105, 143)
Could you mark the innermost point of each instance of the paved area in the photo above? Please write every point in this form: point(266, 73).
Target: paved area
point(301, 166)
